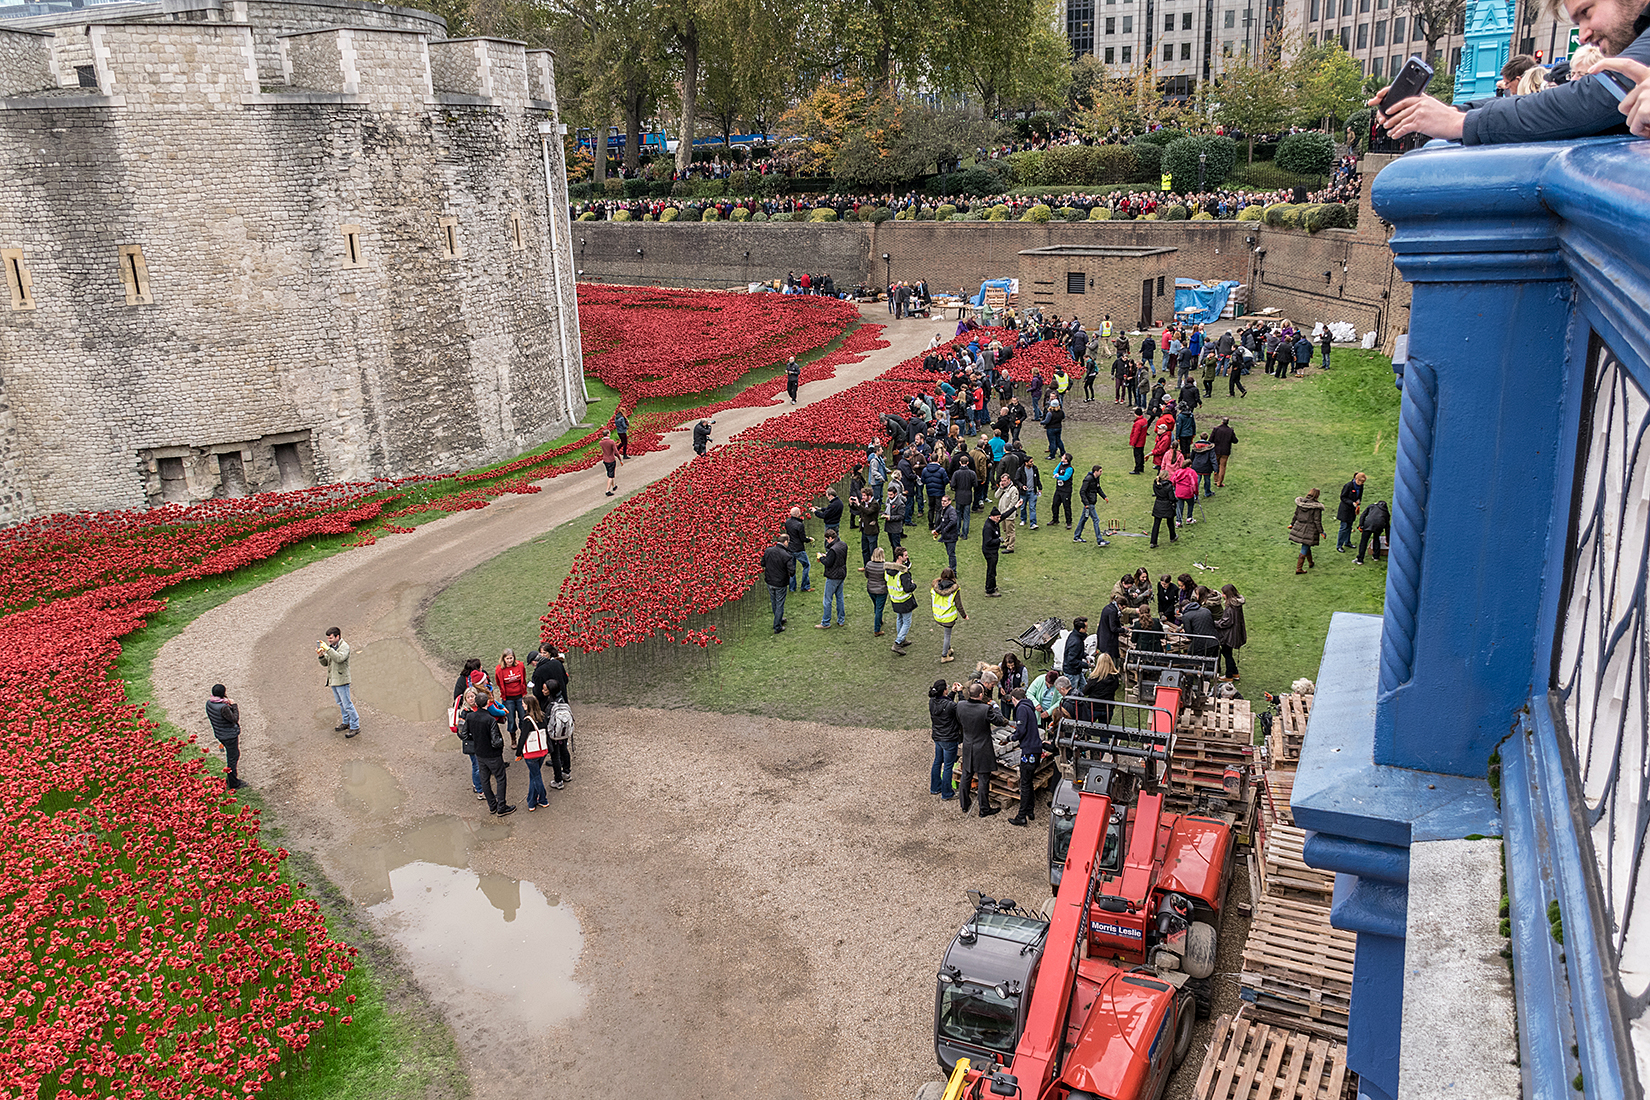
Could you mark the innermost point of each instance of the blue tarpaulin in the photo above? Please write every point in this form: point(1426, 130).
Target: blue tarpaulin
point(1004, 285)
point(1205, 301)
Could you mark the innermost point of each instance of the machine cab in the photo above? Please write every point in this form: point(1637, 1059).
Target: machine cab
point(1064, 818)
point(985, 983)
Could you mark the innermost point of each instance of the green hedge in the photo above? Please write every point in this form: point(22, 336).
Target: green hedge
point(1283, 215)
point(1251, 213)
point(978, 180)
point(1328, 215)
point(1162, 137)
point(1306, 154)
point(1038, 213)
point(945, 212)
point(1148, 162)
point(1180, 160)
point(1172, 213)
point(1066, 166)
point(1100, 214)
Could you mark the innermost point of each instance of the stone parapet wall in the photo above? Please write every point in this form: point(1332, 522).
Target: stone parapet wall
point(174, 66)
point(26, 62)
point(386, 69)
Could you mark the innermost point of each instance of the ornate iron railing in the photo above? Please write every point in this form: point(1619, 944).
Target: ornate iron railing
point(1601, 668)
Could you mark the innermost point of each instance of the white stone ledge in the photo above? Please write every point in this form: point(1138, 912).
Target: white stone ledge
point(1459, 1028)
point(58, 102)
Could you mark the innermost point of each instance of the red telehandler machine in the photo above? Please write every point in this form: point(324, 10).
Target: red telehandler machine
point(1095, 996)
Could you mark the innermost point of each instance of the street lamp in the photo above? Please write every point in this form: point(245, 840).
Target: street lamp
point(888, 272)
point(1202, 163)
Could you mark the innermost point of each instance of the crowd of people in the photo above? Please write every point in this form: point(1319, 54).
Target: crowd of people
point(1057, 138)
point(521, 710)
point(1345, 186)
point(957, 459)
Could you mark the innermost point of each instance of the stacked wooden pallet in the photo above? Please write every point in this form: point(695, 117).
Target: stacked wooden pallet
point(1005, 781)
point(1278, 786)
point(1252, 1061)
point(1284, 873)
point(1297, 969)
point(1210, 765)
point(1289, 728)
point(1223, 719)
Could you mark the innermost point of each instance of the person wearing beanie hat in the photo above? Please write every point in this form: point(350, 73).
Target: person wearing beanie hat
point(224, 714)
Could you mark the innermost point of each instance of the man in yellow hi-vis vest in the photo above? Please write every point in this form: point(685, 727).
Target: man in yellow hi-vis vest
point(1168, 182)
point(1105, 328)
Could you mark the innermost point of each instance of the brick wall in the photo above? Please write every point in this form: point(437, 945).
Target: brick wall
point(718, 254)
point(260, 342)
point(1284, 267)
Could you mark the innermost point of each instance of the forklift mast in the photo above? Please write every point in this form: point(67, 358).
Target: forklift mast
point(1037, 1058)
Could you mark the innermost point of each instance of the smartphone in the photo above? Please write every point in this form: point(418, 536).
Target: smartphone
point(1411, 81)
point(1615, 83)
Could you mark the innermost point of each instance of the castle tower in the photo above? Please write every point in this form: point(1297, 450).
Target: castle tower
point(250, 256)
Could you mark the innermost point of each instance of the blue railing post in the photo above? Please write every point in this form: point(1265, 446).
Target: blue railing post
point(1517, 621)
point(1478, 449)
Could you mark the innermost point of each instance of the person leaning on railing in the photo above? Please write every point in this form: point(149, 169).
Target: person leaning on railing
point(1579, 108)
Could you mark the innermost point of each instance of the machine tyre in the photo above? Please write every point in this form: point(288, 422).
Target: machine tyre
point(1046, 910)
point(931, 1090)
point(1202, 990)
point(1184, 1026)
point(1201, 950)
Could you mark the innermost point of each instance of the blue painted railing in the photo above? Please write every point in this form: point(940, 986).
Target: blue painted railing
point(1515, 624)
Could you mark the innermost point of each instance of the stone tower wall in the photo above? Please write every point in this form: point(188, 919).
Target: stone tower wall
point(233, 286)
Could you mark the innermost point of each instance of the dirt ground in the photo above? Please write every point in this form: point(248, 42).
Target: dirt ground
point(715, 906)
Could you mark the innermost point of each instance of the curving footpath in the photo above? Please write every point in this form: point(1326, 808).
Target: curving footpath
point(715, 906)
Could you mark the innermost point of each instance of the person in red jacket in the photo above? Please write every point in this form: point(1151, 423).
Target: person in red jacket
point(511, 678)
point(1165, 439)
point(1137, 440)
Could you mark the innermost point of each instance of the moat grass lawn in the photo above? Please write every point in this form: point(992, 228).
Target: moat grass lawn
point(1311, 431)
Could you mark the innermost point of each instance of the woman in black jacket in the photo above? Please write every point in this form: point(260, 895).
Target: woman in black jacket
point(1162, 506)
point(1102, 685)
point(942, 715)
point(1230, 630)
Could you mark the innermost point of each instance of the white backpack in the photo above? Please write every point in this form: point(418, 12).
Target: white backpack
point(561, 721)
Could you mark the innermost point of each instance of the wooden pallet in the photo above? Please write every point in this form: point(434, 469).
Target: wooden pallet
point(1225, 719)
point(1005, 782)
point(1253, 1061)
point(1289, 727)
point(1297, 969)
point(1284, 873)
point(1200, 764)
point(1277, 786)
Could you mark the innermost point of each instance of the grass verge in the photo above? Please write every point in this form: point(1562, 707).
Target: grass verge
point(397, 1046)
point(1295, 434)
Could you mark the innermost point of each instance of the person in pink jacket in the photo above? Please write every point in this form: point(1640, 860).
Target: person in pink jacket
point(1185, 494)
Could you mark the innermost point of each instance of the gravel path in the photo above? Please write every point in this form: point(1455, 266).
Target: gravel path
point(762, 904)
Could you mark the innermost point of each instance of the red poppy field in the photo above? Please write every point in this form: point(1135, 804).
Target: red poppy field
point(149, 946)
point(687, 545)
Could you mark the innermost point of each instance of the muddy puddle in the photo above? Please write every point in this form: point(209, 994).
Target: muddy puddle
point(369, 789)
point(389, 675)
point(485, 947)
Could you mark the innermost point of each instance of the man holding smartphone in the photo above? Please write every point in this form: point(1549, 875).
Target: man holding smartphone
point(1579, 108)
